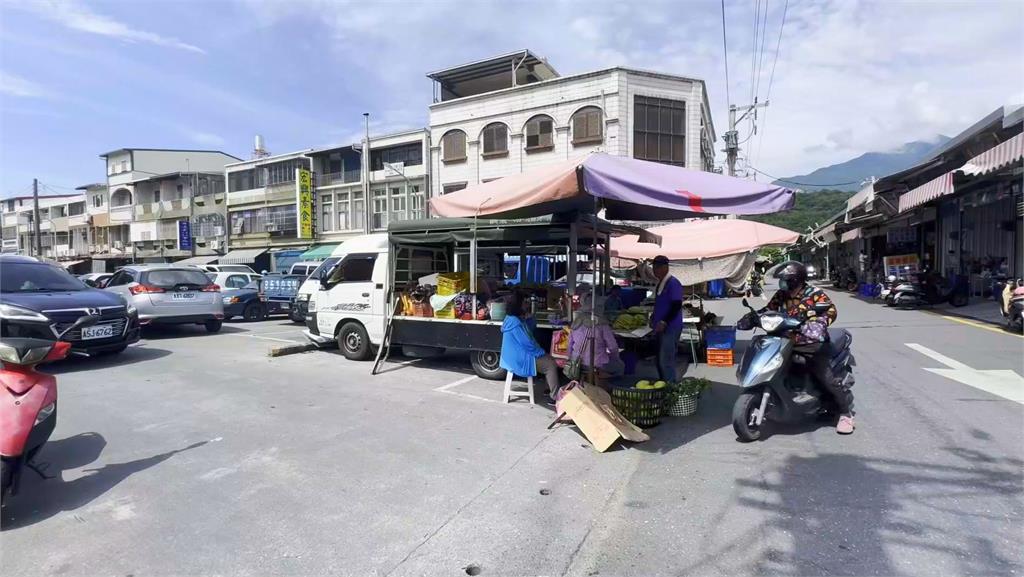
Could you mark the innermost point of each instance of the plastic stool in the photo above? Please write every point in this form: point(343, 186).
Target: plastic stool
point(509, 393)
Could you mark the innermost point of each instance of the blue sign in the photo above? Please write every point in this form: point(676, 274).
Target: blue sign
point(184, 235)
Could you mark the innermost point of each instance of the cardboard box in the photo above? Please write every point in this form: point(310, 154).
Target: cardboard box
point(591, 408)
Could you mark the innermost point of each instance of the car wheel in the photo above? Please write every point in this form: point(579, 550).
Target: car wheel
point(353, 342)
point(213, 326)
point(486, 365)
point(254, 312)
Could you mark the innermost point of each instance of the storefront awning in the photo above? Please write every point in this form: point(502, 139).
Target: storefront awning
point(930, 190)
point(1005, 154)
point(864, 195)
point(197, 260)
point(319, 252)
point(242, 256)
point(851, 235)
point(71, 263)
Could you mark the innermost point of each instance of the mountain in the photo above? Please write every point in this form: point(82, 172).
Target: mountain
point(809, 210)
point(865, 166)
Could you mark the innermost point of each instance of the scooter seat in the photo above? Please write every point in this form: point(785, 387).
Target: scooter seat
point(838, 341)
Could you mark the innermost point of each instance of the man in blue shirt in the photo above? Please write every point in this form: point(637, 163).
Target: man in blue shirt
point(667, 319)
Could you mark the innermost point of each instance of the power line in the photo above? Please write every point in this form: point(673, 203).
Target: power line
point(801, 183)
point(760, 58)
point(725, 49)
point(771, 79)
point(753, 49)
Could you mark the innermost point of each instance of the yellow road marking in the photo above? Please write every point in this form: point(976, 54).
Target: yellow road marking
point(978, 325)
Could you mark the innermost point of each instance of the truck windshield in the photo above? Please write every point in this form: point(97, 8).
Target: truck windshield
point(22, 277)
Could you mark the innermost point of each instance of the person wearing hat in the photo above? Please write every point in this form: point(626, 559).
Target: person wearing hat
point(667, 319)
point(592, 338)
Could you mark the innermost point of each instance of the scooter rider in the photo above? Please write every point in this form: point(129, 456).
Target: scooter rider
point(798, 299)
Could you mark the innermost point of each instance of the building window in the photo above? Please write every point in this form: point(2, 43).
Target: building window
point(448, 188)
point(417, 203)
point(540, 133)
point(121, 197)
point(97, 200)
point(124, 166)
point(495, 139)
point(156, 195)
point(586, 125)
point(278, 219)
point(326, 213)
point(357, 217)
point(659, 130)
point(379, 216)
point(453, 146)
point(406, 155)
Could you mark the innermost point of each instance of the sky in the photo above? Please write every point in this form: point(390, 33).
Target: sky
point(82, 77)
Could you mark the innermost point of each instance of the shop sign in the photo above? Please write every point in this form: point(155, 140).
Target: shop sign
point(304, 203)
point(901, 265)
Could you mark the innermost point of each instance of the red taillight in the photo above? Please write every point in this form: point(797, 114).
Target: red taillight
point(211, 288)
point(59, 351)
point(144, 289)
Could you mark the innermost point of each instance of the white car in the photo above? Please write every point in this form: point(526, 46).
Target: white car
point(225, 268)
point(812, 272)
point(232, 280)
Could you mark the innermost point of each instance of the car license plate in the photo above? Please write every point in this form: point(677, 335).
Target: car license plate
point(98, 332)
point(183, 296)
point(285, 306)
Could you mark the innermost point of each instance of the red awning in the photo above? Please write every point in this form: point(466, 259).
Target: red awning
point(1005, 154)
point(930, 190)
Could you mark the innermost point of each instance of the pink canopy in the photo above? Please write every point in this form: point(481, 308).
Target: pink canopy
point(700, 239)
point(628, 189)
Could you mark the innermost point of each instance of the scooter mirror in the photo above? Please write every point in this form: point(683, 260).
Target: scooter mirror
point(83, 321)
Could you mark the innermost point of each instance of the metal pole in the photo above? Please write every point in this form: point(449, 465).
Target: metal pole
point(731, 141)
point(35, 218)
point(367, 201)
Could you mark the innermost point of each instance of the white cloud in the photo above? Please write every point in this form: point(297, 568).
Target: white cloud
point(204, 138)
point(76, 15)
point(13, 85)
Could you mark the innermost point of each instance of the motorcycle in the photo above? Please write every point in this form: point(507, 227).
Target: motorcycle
point(756, 283)
point(1011, 304)
point(775, 377)
point(28, 400)
point(927, 291)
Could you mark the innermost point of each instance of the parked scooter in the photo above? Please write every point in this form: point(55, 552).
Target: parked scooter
point(928, 290)
point(1011, 304)
point(28, 400)
point(775, 377)
point(755, 283)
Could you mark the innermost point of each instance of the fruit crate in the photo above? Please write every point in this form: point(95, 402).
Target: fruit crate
point(448, 312)
point(642, 407)
point(720, 358)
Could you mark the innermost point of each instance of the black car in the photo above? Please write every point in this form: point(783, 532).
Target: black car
point(39, 300)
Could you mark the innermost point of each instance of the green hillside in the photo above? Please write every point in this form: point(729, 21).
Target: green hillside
point(809, 208)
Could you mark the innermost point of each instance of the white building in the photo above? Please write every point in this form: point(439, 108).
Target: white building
point(132, 168)
point(506, 114)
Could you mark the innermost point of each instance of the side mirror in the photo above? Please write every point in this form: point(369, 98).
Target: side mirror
point(91, 283)
point(822, 308)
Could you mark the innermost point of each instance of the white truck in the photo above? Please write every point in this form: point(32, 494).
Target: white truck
point(352, 302)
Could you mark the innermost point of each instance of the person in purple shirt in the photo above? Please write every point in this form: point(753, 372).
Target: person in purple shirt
point(667, 319)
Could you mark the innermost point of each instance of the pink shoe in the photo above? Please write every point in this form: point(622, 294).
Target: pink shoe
point(845, 425)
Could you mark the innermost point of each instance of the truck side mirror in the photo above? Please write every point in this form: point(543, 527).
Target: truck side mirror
point(325, 277)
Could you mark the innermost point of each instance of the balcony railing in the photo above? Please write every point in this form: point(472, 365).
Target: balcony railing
point(336, 178)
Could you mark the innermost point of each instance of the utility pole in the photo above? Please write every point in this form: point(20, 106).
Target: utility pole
point(732, 144)
point(367, 201)
point(35, 218)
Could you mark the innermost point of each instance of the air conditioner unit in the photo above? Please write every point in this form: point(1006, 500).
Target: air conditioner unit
point(218, 231)
point(200, 239)
point(271, 227)
point(214, 245)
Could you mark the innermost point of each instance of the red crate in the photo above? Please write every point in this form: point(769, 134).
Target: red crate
point(719, 358)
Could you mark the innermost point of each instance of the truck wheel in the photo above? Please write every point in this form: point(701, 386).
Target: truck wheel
point(353, 342)
point(485, 365)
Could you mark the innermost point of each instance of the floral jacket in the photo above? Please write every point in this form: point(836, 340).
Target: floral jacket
point(815, 325)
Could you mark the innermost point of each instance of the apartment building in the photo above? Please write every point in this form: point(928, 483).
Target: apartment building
point(18, 233)
point(150, 190)
point(507, 114)
point(397, 183)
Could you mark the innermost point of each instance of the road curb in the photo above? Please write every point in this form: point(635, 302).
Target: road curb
point(291, 349)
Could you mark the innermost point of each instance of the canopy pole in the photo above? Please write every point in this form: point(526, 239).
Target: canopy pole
point(593, 294)
point(522, 262)
point(571, 267)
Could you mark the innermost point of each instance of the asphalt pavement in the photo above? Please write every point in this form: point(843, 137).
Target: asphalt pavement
point(198, 454)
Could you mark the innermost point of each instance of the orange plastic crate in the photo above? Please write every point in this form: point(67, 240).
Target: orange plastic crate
point(719, 358)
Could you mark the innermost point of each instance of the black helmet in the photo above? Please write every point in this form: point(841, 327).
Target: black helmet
point(793, 272)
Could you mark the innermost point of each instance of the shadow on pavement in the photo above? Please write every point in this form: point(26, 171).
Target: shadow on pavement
point(39, 499)
point(159, 332)
point(714, 412)
point(133, 354)
point(844, 514)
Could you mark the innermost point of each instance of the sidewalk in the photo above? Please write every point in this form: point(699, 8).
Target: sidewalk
point(979, 309)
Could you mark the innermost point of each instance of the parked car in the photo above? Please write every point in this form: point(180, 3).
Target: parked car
point(225, 268)
point(39, 300)
point(169, 294)
point(95, 279)
point(246, 302)
point(232, 279)
point(304, 268)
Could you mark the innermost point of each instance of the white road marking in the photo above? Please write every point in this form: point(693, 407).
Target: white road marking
point(1000, 382)
point(444, 388)
point(447, 389)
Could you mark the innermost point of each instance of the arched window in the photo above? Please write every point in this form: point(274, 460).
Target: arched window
point(495, 139)
point(540, 133)
point(121, 197)
point(453, 146)
point(586, 125)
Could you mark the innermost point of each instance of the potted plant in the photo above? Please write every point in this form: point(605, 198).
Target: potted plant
point(681, 400)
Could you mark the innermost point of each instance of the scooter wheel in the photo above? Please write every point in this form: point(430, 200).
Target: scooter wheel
point(742, 417)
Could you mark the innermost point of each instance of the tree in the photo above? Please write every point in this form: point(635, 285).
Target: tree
point(809, 209)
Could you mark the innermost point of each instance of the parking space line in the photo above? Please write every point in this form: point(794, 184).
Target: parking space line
point(447, 389)
point(444, 388)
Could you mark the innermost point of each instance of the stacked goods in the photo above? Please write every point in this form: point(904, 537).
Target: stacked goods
point(450, 283)
point(642, 404)
point(720, 341)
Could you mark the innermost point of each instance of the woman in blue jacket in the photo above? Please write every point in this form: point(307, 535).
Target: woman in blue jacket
point(520, 352)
